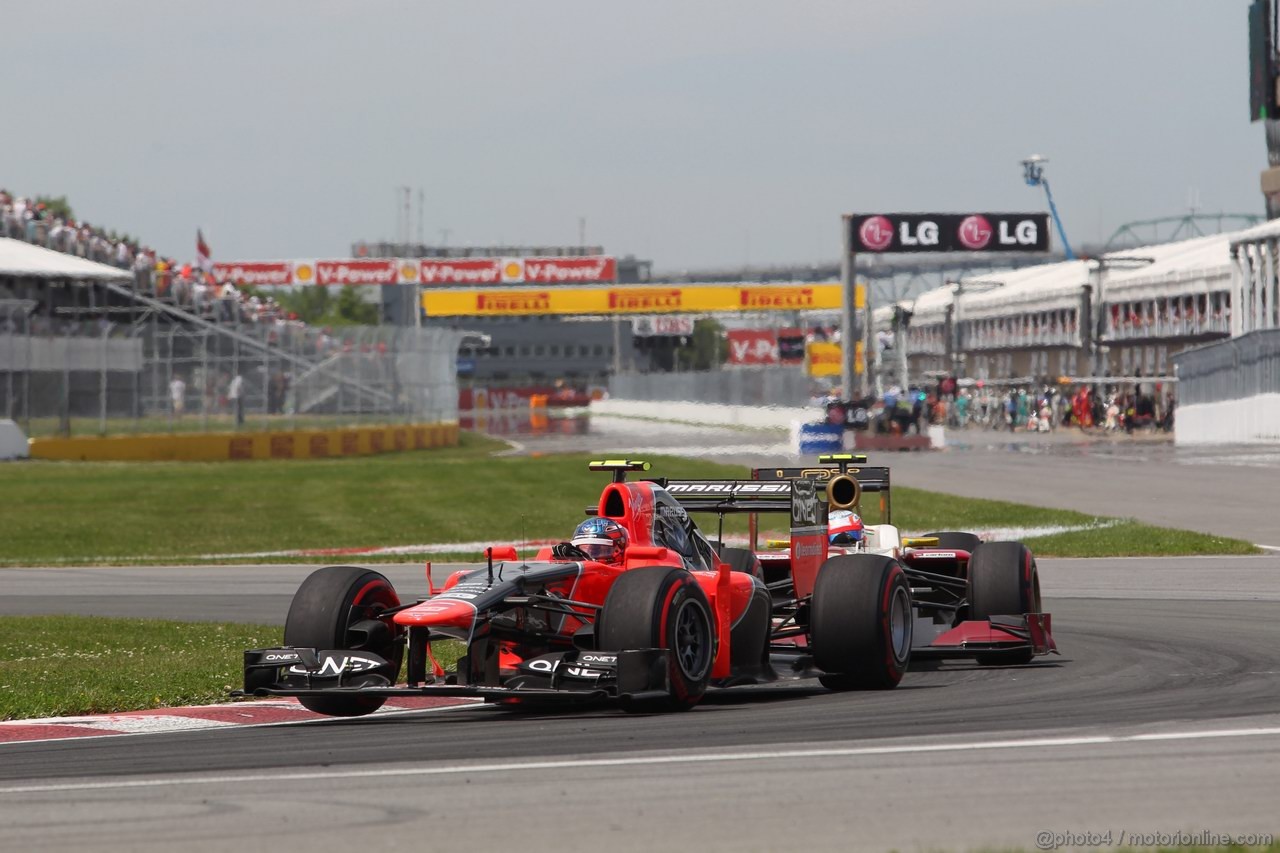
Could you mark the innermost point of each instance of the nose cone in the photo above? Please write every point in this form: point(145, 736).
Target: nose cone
point(438, 612)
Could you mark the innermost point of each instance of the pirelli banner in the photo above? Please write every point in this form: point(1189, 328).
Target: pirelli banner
point(827, 359)
point(634, 299)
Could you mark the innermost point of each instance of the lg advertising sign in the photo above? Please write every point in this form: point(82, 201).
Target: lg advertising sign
point(950, 232)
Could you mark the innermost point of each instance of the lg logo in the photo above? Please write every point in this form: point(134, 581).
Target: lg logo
point(876, 233)
point(975, 233)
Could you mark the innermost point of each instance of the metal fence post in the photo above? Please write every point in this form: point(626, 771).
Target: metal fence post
point(102, 384)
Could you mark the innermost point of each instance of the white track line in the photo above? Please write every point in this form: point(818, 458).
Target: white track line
point(638, 761)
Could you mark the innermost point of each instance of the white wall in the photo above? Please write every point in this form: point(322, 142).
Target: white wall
point(1250, 420)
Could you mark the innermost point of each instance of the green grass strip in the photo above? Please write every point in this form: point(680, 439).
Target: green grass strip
point(110, 513)
point(57, 666)
point(65, 665)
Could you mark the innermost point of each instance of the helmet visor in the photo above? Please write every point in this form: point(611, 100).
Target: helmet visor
point(602, 550)
point(847, 537)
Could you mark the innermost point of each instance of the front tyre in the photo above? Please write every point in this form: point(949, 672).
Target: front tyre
point(861, 622)
point(743, 560)
point(337, 607)
point(1003, 581)
point(956, 540)
point(663, 608)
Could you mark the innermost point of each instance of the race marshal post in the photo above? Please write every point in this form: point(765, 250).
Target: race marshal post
point(884, 233)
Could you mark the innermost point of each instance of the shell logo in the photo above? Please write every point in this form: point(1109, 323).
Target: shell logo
point(303, 273)
point(513, 269)
point(408, 272)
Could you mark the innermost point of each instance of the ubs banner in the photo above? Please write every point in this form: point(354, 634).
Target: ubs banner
point(950, 232)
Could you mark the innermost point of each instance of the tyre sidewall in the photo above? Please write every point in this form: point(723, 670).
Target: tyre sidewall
point(852, 623)
point(319, 618)
point(641, 611)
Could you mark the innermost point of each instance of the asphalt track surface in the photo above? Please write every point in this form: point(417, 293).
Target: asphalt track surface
point(1161, 716)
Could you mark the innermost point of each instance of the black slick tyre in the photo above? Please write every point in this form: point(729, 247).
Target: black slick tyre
point(337, 607)
point(1003, 581)
point(662, 608)
point(956, 540)
point(742, 560)
point(861, 622)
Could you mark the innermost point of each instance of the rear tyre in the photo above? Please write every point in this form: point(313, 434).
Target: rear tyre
point(743, 560)
point(1003, 581)
point(662, 608)
point(955, 540)
point(337, 607)
point(861, 622)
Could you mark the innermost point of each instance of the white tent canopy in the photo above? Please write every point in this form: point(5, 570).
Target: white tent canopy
point(23, 260)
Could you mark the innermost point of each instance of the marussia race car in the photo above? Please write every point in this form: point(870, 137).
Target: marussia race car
point(675, 616)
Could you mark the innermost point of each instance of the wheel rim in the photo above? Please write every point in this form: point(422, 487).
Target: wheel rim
point(692, 645)
point(370, 601)
point(900, 623)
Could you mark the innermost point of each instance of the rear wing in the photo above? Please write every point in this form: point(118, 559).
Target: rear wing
point(871, 479)
point(799, 497)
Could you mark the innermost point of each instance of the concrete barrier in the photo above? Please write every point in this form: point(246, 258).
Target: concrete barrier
point(711, 414)
point(224, 446)
point(1249, 420)
point(13, 442)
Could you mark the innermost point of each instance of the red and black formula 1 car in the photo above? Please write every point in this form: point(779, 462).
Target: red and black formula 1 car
point(969, 598)
point(652, 631)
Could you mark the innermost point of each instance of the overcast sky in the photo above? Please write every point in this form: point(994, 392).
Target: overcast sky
point(692, 132)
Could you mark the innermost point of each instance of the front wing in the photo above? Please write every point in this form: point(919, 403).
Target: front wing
point(1007, 634)
point(573, 675)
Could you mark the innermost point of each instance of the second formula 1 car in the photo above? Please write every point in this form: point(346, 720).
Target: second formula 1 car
point(969, 598)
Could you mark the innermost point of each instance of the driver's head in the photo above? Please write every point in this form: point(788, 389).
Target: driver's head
point(844, 527)
point(601, 539)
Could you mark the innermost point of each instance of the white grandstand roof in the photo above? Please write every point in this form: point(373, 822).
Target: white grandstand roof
point(1047, 287)
point(930, 307)
point(1187, 267)
point(1199, 265)
point(1265, 231)
point(19, 259)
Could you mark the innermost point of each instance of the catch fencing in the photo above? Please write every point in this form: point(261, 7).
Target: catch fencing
point(1234, 369)
point(102, 378)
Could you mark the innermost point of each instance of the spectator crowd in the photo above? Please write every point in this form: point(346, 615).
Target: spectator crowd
point(184, 285)
point(978, 405)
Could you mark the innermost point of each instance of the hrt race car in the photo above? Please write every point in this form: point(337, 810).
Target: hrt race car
point(969, 598)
